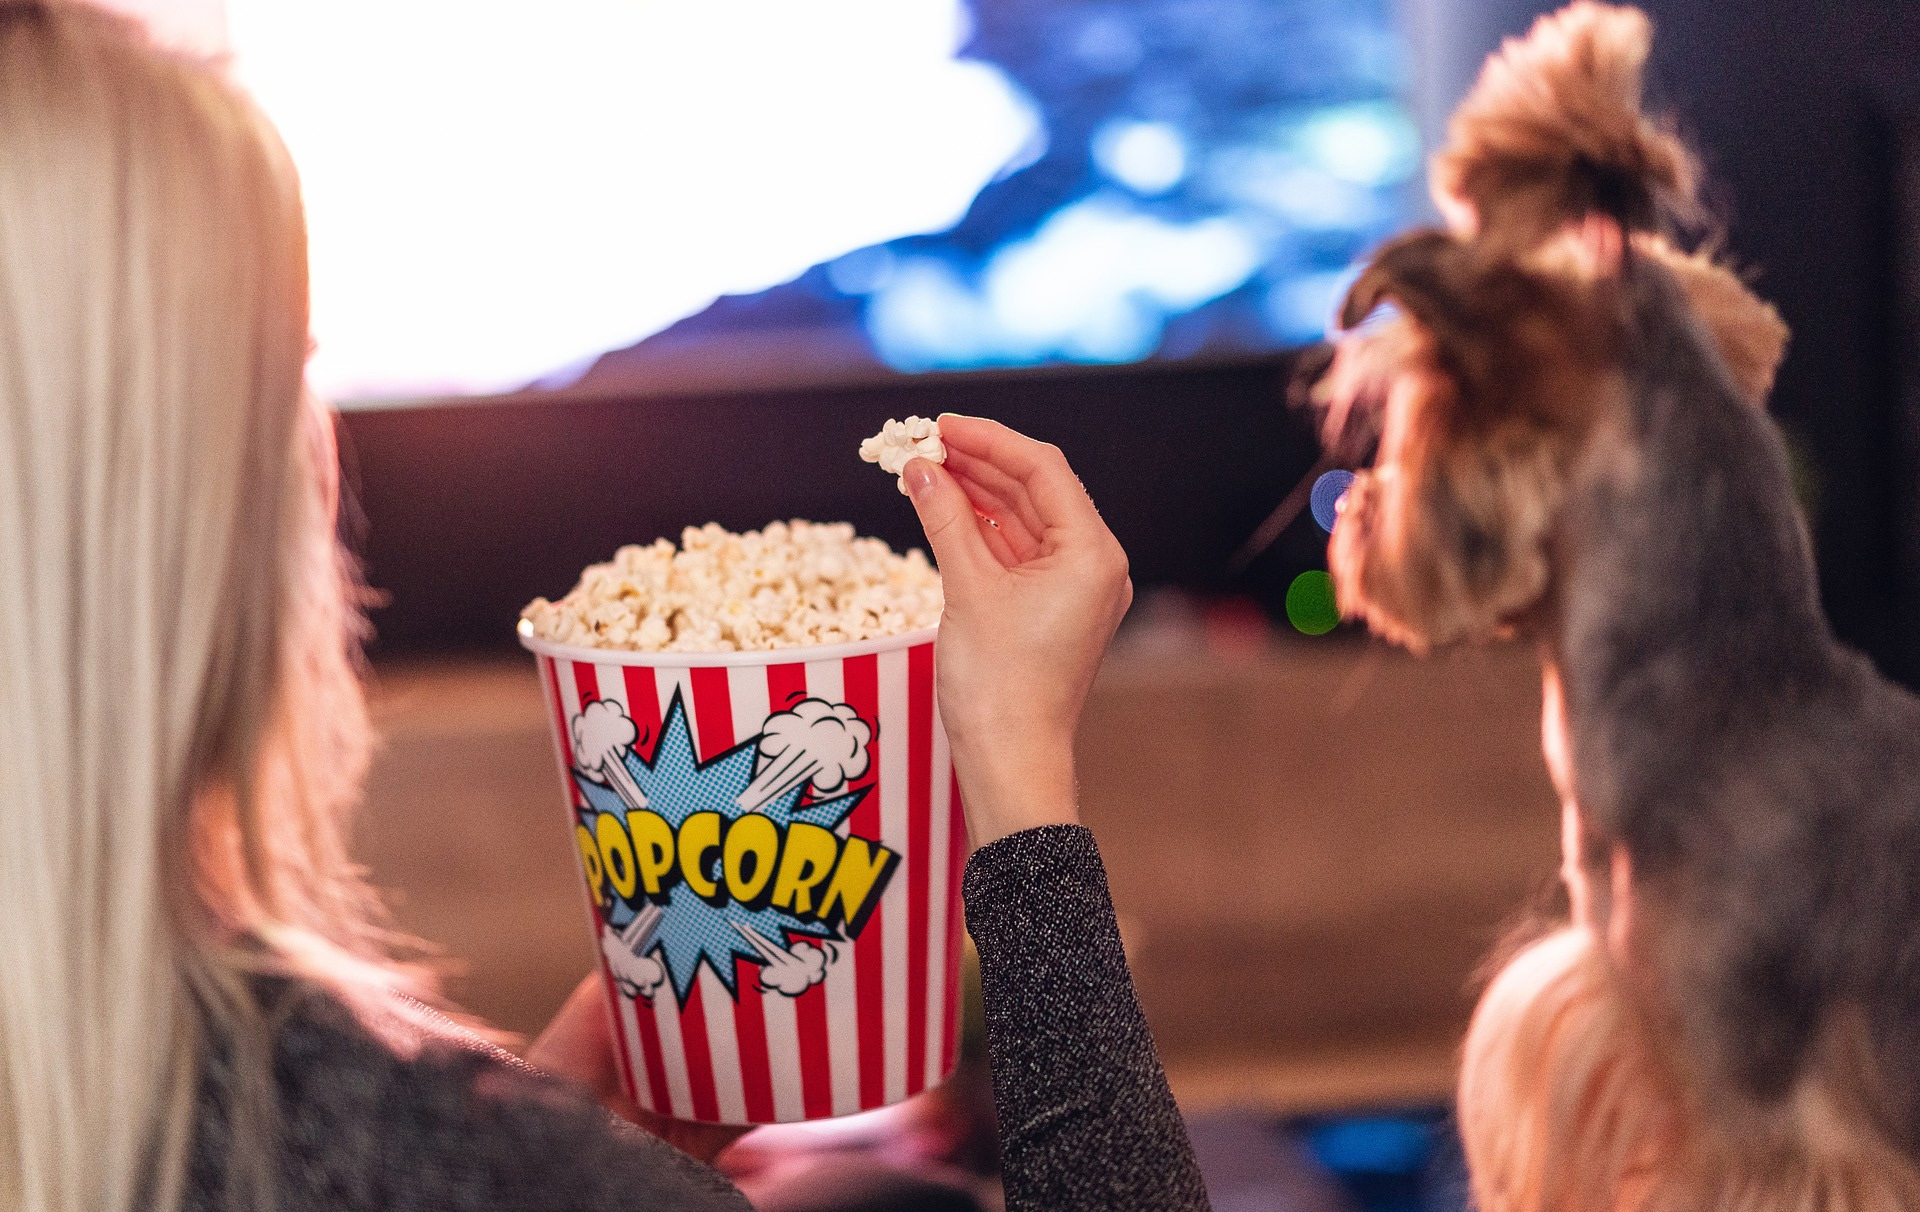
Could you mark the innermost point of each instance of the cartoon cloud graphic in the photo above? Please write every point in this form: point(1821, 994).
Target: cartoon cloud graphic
point(815, 741)
point(790, 972)
point(637, 973)
point(603, 735)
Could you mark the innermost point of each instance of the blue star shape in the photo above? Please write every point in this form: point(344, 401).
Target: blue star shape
point(677, 785)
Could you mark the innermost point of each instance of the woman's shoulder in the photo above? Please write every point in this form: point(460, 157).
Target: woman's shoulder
point(440, 1120)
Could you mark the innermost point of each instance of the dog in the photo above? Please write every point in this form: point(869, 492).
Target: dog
point(1571, 446)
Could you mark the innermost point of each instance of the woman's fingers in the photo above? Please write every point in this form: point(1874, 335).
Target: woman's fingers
point(1011, 523)
point(988, 485)
point(1041, 470)
point(1021, 546)
point(980, 436)
point(578, 1044)
point(702, 1141)
point(947, 515)
point(1030, 488)
point(1013, 452)
point(997, 543)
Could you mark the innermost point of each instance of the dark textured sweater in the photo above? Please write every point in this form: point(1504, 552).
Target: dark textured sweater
point(457, 1126)
point(1086, 1119)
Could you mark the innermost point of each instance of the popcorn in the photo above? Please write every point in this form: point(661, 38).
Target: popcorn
point(790, 585)
point(899, 441)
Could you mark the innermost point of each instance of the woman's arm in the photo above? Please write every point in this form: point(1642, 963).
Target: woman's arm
point(1035, 586)
point(1086, 1119)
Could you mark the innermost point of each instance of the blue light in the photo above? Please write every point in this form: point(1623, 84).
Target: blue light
point(1095, 283)
point(1148, 158)
point(1372, 143)
point(1197, 177)
point(1300, 309)
point(1328, 491)
point(1300, 194)
point(862, 271)
point(1107, 46)
point(926, 318)
point(1374, 1145)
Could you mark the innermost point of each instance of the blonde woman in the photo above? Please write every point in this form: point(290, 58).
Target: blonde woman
point(197, 1005)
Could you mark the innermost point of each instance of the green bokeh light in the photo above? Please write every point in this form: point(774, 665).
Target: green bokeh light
point(1310, 603)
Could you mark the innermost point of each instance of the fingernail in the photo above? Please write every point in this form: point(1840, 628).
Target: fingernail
point(919, 476)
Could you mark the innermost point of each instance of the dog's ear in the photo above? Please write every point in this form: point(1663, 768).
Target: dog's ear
point(1483, 312)
point(1424, 271)
point(1436, 280)
point(1446, 537)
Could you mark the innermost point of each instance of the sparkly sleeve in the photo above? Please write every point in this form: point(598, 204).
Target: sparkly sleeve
point(1086, 1118)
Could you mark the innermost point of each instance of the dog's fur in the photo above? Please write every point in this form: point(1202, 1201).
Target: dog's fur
point(1570, 446)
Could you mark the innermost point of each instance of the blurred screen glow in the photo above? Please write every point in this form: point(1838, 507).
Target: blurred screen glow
point(497, 190)
point(627, 193)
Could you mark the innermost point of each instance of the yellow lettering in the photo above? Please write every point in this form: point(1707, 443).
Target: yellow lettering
point(804, 866)
point(751, 850)
point(590, 861)
point(857, 883)
point(616, 852)
point(699, 836)
point(803, 869)
point(652, 850)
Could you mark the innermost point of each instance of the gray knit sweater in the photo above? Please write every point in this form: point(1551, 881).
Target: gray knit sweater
point(1086, 1119)
point(457, 1127)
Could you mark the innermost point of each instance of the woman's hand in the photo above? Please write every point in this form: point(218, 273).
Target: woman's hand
point(577, 1045)
point(1035, 586)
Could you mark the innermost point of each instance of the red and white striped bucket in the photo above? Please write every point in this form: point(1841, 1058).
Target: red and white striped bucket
point(845, 990)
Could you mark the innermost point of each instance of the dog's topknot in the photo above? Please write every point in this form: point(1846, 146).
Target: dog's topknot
point(1553, 131)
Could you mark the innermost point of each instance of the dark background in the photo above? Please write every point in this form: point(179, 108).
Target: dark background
point(1806, 112)
point(473, 509)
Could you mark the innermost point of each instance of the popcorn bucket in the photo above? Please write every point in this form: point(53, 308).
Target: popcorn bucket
point(772, 845)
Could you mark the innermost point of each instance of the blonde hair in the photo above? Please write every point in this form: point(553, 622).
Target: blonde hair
point(181, 724)
point(1567, 1104)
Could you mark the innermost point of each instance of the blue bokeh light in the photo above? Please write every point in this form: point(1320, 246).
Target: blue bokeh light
point(1328, 491)
point(1385, 1144)
point(1148, 158)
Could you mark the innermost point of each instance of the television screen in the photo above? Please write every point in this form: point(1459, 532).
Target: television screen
point(609, 196)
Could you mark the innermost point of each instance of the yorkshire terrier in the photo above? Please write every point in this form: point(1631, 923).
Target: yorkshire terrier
point(1571, 445)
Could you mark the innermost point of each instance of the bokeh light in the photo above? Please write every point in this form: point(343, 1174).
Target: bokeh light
point(1148, 158)
point(1328, 491)
point(1096, 283)
point(1311, 607)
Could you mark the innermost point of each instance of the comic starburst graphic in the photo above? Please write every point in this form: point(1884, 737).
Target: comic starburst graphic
point(677, 785)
